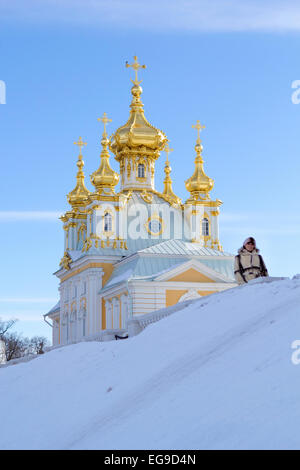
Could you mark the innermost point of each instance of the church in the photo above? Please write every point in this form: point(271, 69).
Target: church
point(130, 253)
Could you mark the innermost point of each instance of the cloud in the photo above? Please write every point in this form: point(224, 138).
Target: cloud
point(25, 308)
point(14, 216)
point(27, 316)
point(162, 15)
point(33, 300)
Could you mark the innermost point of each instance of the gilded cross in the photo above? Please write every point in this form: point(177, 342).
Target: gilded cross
point(199, 128)
point(136, 66)
point(105, 121)
point(168, 150)
point(80, 144)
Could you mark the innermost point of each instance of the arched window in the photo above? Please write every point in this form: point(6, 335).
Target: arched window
point(205, 227)
point(141, 170)
point(107, 222)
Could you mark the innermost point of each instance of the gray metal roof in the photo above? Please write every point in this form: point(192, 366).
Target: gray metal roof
point(149, 267)
point(54, 309)
point(180, 247)
point(155, 246)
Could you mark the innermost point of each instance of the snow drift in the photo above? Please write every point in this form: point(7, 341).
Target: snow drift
point(216, 374)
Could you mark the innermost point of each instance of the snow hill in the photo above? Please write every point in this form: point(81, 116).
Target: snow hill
point(216, 374)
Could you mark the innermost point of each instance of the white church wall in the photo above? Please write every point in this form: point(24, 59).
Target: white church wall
point(83, 287)
point(146, 298)
point(130, 177)
point(55, 332)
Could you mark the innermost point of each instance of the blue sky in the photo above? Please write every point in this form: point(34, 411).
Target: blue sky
point(230, 64)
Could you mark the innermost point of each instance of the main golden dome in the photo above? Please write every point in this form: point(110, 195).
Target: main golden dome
point(137, 133)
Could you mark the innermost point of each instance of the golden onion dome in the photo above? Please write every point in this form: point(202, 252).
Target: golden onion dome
point(168, 192)
point(199, 184)
point(137, 132)
point(105, 176)
point(80, 194)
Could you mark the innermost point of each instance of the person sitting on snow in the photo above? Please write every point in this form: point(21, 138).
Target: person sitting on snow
point(249, 264)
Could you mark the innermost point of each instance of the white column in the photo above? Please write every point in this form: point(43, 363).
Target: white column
point(72, 335)
point(64, 327)
point(217, 227)
point(83, 324)
point(124, 311)
point(116, 313)
point(108, 313)
point(78, 313)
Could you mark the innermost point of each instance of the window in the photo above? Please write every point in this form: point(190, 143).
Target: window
point(107, 222)
point(141, 170)
point(205, 227)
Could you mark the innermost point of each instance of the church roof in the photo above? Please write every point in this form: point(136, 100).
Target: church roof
point(54, 309)
point(180, 247)
point(145, 267)
point(155, 247)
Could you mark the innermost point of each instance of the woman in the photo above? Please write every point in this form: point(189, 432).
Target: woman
point(249, 264)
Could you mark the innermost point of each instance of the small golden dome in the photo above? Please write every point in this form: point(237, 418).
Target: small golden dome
point(199, 184)
point(168, 193)
point(105, 176)
point(80, 194)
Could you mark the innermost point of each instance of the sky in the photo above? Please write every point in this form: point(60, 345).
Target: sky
point(230, 64)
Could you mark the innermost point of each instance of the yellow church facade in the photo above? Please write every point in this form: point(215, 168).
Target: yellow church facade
point(128, 254)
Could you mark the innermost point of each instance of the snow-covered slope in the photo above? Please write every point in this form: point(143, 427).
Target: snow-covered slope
point(216, 374)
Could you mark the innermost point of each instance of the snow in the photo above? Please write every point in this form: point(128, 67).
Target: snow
point(120, 277)
point(216, 374)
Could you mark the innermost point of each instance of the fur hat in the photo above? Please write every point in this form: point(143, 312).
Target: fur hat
point(249, 239)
